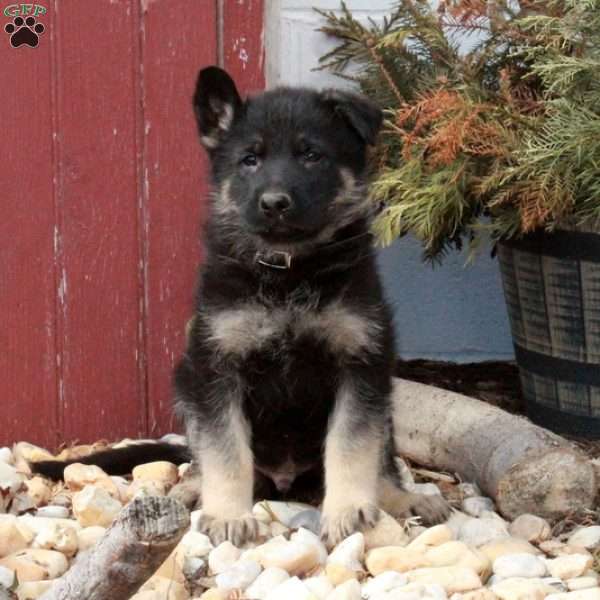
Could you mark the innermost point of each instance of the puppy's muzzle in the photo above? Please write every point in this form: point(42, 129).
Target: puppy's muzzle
point(274, 204)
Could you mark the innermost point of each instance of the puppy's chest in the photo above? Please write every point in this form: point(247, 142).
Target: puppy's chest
point(252, 329)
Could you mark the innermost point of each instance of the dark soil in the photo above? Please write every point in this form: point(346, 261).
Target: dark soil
point(494, 382)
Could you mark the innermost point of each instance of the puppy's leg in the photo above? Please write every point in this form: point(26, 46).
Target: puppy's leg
point(227, 467)
point(403, 504)
point(353, 451)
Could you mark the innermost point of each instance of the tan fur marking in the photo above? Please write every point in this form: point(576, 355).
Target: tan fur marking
point(343, 330)
point(352, 464)
point(242, 330)
point(223, 202)
point(227, 468)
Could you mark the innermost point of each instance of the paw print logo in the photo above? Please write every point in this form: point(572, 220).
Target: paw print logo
point(24, 32)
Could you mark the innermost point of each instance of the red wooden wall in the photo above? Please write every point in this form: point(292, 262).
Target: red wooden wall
point(103, 188)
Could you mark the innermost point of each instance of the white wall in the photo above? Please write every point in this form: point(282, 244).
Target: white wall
point(450, 312)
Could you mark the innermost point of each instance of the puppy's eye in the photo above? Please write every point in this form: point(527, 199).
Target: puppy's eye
point(312, 156)
point(250, 160)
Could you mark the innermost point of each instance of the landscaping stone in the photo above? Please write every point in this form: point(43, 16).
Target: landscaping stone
point(476, 505)
point(268, 580)
point(396, 558)
point(531, 528)
point(223, 557)
point(569, 566)
point(95, 506)
point(519, 565)
point(587, 537)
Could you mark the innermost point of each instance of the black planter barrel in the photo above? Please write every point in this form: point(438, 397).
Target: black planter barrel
point(552, 288)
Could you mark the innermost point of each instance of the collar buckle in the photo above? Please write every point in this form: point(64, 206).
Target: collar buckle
point(275, 260)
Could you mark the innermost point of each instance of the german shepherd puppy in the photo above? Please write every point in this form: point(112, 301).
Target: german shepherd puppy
point(285, 383)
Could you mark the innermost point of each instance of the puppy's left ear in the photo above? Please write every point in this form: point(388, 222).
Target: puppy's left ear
point(216, 105)
point(359, 112)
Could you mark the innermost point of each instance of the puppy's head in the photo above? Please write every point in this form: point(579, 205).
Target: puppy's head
point(288, 164)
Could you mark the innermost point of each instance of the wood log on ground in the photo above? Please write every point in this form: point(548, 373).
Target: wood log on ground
point(523, 467)
point(136, 544)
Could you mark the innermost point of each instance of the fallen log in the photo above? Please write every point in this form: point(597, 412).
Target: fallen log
point(135, 545)
point(523, 467)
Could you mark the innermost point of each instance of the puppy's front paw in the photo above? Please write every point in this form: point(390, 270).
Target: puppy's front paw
point(237, 531)
point(338, 525)
point(432, 509)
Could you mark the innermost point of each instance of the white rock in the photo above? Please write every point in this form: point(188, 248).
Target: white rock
point(26, 452)
point(493, 550)
point(11, 482)
point(34, 564)
point(268, 580)
point(475, 505)
point(384, 582)
point(478, 532)
point(305, 536)
point(37, 524)
point(308, 519)
point(13, 536)
point(452, 579)
point(569, 566)
point(434, 536)
point(58, 537)
point(53, 512)
point(396, 558)
point(283, 511)
point(193, 567)
point(239, 576)
point(291, 589)
point(295, 557)
point(349, 553)
point(7, 577)
point(320, 586)
point(349, 590)
point(163, 471)
point(519, 565)
point(586, 537)
point(31, 590)
point(223, 557)
point(582, 583)
point(531, 528)
point(161, 588)
point(459, 554)
point(38, 490)
point(77, 476)
point(95, 506)
point(21, 503)
point(520, 588)
point(195, 544)
point(142, 488)
point(589, 594)
point(89, 536)
point(6, 456)
point(480, 594)
point(468, 490)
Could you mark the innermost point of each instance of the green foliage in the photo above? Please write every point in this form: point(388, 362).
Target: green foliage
point(509, 130)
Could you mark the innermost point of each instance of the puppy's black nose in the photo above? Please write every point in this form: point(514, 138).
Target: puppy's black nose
point(274, 203)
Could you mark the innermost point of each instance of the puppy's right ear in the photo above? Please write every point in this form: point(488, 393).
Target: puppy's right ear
point(216, 105)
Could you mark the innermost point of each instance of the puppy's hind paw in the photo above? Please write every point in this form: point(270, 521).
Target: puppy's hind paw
point(187, 492)
point(433, 509)
point(338, 526)
point(237, 531)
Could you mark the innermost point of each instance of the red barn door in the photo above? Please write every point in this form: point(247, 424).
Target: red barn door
point(103, 192)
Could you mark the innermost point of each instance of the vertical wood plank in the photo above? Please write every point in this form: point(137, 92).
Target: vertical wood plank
point(100, 275)
point(27, 278)
point(179, 38)
point(243, 43)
